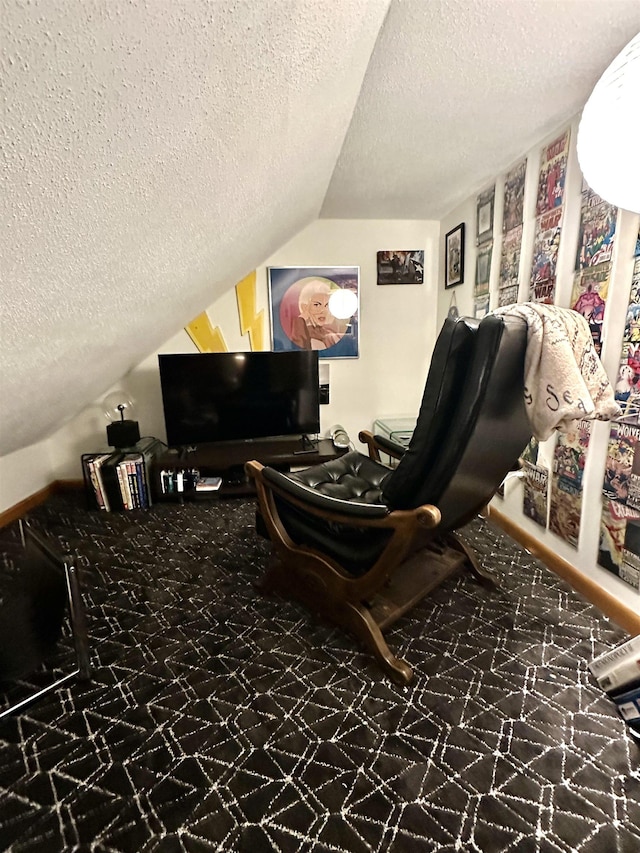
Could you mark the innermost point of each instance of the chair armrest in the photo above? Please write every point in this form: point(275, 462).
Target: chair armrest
point(354, 509)
point(377, 443)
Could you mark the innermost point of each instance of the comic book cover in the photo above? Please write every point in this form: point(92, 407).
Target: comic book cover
point(623, 438)
point(530, 453)
point(590, 289)
point(631, 334)
point(637, 249)
point(545, 256)
point(507, 296)
point(635, 283)
point(483, 270)
point(633, 494)
point(510, 258)
point(597, 235)
point(627, 384)
point(570, 453)
point(553, 169)
point(535, 495)
point(565, 507)
point(480, 306)
point(484, 215)
point(514, 197)
point(589, 197)
point(619, 546)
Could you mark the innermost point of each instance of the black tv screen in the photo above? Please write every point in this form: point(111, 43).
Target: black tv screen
point(227, 396)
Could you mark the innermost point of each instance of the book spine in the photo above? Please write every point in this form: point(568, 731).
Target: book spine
point(610, 659)
point(628, 705)
point(627, 671)
point(123, 479)
point(91, 465)
point(133, 484)
point(142, 491)
point(97, 465)
point(615, 692)
point(89, 481)
point(149, 449)
point(111, 482)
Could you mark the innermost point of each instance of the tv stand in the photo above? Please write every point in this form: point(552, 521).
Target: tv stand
point(307, 445)
point(227, 459)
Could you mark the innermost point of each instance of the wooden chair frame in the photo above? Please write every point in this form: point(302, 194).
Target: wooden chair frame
point(417, 558)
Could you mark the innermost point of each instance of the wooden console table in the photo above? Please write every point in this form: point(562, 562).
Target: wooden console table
point(173, 472)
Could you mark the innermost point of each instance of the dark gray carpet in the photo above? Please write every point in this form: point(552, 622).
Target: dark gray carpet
point(220, 720)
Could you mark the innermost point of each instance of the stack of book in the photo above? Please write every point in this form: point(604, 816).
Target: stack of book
point(119, 480)
point(618, 674)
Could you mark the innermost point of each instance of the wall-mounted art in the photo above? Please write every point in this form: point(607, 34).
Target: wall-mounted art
point(315, 308)
point(484, 215)
point(552, 175)
point(514, 197)
point(454, 256)
point(404, 266)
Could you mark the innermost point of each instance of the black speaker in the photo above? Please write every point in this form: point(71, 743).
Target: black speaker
point(123, 433)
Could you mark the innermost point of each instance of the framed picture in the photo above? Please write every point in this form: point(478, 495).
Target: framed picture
point(404, 266)
point(454, 256)
point(485, 216)
point(483, 268)
point(315, 308)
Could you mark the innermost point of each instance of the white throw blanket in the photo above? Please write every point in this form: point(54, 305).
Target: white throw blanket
point(563, 375)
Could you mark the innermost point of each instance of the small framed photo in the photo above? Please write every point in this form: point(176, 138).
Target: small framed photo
point(454, 256)
point(485, 216)
point(315, 308)
point(404, 266)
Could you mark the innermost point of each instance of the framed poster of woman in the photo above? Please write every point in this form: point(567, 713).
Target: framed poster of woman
point(315, 308)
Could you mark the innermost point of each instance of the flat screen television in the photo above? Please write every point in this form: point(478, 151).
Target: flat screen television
point(231, 396)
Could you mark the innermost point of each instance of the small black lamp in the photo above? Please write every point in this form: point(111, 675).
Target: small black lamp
point(124, 432)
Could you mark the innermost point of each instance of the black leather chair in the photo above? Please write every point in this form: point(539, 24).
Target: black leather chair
point(360, 542)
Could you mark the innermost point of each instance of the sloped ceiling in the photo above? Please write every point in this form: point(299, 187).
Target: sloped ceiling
point(155, 152)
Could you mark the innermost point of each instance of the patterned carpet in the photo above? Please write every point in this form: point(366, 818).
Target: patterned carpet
point(220, 720)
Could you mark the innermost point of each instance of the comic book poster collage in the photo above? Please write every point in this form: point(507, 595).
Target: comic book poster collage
point(511, 235)
point(549, 212)
point(619, 548)
point(484, 241)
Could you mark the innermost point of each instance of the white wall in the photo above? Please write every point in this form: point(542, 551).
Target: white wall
point(585, 557)
point(24, 473)
point(397, 333)
point(397, 322)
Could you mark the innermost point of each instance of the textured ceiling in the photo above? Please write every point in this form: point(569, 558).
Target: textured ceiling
point(155, 152)
point(457, 90)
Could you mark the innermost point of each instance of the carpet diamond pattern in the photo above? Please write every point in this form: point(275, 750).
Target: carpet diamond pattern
point(220, 720)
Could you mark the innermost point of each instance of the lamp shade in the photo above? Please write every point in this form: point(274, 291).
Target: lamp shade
point(609, 132)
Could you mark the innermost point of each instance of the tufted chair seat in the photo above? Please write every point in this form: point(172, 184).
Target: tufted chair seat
point(353, 478)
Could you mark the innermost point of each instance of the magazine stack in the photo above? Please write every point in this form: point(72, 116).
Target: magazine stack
point(618, 674)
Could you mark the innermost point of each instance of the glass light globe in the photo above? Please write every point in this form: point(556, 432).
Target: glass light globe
point(609, 132)
point(343, 304)
point(122, 428)
point(118, 406)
